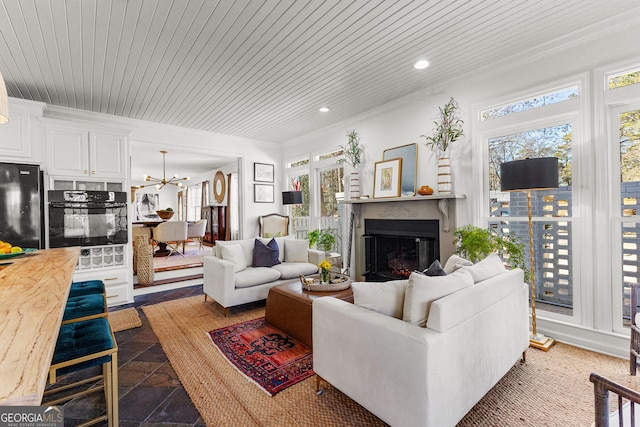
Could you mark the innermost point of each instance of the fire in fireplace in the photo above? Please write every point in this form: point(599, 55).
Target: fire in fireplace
point(393, 248)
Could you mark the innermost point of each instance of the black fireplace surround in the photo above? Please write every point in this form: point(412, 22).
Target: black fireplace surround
point(393, 248)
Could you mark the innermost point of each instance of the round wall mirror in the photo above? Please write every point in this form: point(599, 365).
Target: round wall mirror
point(219, 187)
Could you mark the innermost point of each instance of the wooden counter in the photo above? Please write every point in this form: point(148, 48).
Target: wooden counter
point(33, 293)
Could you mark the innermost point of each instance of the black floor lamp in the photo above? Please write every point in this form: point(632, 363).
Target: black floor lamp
point(527, 175)
point(292, 198)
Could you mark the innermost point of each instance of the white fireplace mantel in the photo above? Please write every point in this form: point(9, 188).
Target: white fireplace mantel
point(441, 199)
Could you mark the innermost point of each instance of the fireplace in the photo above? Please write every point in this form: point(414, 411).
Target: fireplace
point(393, 248)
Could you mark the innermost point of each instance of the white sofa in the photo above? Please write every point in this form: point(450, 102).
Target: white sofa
point(231, 284)
point(409, 375)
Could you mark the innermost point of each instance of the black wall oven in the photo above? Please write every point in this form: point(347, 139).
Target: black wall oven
point(87, 218)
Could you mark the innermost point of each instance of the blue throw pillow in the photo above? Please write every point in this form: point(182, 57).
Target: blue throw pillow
point(265, 255)
point(435, 269)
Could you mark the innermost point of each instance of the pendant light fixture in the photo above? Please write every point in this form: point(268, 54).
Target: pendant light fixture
point(160, 183)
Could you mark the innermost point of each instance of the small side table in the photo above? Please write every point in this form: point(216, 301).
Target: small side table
point(289, 308)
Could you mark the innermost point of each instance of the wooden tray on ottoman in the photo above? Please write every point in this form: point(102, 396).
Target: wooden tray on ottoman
point(339, 282)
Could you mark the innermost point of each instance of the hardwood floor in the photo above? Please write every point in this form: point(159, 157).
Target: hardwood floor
point(150, 393)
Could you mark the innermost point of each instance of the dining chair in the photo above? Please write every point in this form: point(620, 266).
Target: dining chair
point(196, 230)
point(172, 233)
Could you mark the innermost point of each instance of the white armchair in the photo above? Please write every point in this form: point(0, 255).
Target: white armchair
point(170, 232)
point(196, 230)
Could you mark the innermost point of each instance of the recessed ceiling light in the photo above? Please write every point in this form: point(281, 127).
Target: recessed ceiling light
point(421, 64)
point(324, 109)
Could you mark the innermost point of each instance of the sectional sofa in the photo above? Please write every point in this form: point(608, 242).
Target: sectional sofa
point(234, 275)
point(423, 351)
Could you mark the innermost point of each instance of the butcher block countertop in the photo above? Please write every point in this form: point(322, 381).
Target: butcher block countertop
point(33, 293)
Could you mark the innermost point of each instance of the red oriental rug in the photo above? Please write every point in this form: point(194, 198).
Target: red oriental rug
point(265, 355)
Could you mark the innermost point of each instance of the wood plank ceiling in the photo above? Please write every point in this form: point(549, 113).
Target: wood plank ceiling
point(262, 68)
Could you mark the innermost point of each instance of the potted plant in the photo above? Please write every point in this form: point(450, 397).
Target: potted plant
point(324, 240)
point(475, 243)
point(353, 156)
point(447, 131)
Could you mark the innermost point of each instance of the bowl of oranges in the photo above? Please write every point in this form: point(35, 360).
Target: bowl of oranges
point(7, 250)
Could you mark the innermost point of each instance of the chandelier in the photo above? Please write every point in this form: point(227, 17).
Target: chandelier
point(160, 183)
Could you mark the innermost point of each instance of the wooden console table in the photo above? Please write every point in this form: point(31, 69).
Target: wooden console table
point(33, 290)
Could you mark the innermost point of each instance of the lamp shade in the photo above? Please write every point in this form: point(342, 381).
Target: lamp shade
point(529, 174)
point(4, 102)
point(292, 197)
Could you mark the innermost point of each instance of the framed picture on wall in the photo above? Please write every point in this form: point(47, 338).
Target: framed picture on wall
point(263, 193)
point(263, 172)
point(409, 155)
point(146, 205)
point(387, 178)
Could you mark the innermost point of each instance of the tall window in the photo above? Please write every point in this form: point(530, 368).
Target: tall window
point(629, 152)
point(552, 239)
point(321, 181)
point(537, 132)
point(194, 204)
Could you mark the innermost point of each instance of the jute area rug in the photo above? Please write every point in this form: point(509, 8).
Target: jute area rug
point(121, 320)
point(550, 389)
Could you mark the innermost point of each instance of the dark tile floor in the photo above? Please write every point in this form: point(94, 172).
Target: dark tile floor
point(150, 393)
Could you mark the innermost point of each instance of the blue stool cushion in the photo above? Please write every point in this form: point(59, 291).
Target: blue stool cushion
point(82, 339)
point(84, 305)
point(87, 287)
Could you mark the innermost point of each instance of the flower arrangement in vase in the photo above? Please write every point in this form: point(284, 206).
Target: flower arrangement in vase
point(325, 271)
point(353, 157)
point(447, 131)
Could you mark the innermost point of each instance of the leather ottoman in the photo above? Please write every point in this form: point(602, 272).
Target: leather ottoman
point(289, 308)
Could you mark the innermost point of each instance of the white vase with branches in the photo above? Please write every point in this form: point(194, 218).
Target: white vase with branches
point(447, 131)
point(353, 152)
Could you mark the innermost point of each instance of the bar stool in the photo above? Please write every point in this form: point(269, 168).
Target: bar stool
point(82, 345)
point(87, 287)
point(85, 307)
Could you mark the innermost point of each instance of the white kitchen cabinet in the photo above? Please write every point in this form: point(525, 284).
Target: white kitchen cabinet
point(76, 152)
point(15, 139)
point(109, 264)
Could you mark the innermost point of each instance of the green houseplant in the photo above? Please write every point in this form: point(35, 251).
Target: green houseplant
point(475, 243)
point(448, 128)
point(353, 157)
point(353, 150)
point(324, 240)
point(447, 131)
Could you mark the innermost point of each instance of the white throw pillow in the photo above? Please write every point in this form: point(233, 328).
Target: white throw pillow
point(383, 297)
point(491, 266)
point(235, 255)
point(423, 290)
point(455, 262)
point(296, 250)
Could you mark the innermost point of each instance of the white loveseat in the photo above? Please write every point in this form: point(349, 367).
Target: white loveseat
point(234, 280)
point(409, 375)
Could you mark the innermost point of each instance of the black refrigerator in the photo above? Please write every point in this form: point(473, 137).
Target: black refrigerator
point(21, 205)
